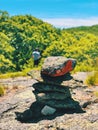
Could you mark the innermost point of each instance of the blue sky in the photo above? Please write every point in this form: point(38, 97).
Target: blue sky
point(60, 13)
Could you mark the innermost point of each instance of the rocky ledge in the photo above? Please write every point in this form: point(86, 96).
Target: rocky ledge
point(20, 110)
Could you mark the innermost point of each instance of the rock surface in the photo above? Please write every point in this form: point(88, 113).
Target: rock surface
point(22, 103)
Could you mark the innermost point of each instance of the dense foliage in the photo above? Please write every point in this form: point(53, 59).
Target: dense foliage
point(19, 35)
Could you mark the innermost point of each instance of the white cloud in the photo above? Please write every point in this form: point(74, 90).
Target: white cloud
point(71, 22)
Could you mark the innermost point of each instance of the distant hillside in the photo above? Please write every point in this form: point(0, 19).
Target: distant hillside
point(90, 29)
point(21, 34)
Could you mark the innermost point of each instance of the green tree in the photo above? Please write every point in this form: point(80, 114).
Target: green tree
point(6, 51)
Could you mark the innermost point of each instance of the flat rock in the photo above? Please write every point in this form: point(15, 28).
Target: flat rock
point(45, 87)
point(51, 95)
point(67, 104)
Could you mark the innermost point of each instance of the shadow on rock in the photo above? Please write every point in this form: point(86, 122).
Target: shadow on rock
point(58, 79)
point(33, 114)
point(53, 95)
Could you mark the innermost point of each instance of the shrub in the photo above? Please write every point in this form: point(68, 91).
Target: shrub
point(92, 79)
point(96, 93)
point(2, 90)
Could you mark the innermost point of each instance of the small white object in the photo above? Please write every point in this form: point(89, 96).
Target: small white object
point(47, 110)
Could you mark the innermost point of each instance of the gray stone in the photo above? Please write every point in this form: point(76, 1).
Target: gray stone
point(47, 110)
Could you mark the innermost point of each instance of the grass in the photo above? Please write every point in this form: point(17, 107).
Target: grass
point(92, 79)
point(96, 93)
point(11, 75)
point(17, 74)
point(2, 90)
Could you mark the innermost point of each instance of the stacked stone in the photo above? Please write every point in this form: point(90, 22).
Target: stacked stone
point(57, 66)
point(55, 96)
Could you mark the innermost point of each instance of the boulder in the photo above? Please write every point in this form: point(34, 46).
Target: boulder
point(57, 66)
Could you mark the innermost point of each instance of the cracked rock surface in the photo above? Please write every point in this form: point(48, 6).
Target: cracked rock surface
point(22, 102)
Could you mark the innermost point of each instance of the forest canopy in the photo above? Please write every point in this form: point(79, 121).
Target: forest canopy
point(21, 34)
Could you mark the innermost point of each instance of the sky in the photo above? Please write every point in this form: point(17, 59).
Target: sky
point(59, 13)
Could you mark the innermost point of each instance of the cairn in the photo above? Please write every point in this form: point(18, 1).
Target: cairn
point(55, 96)
point(52, 95)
